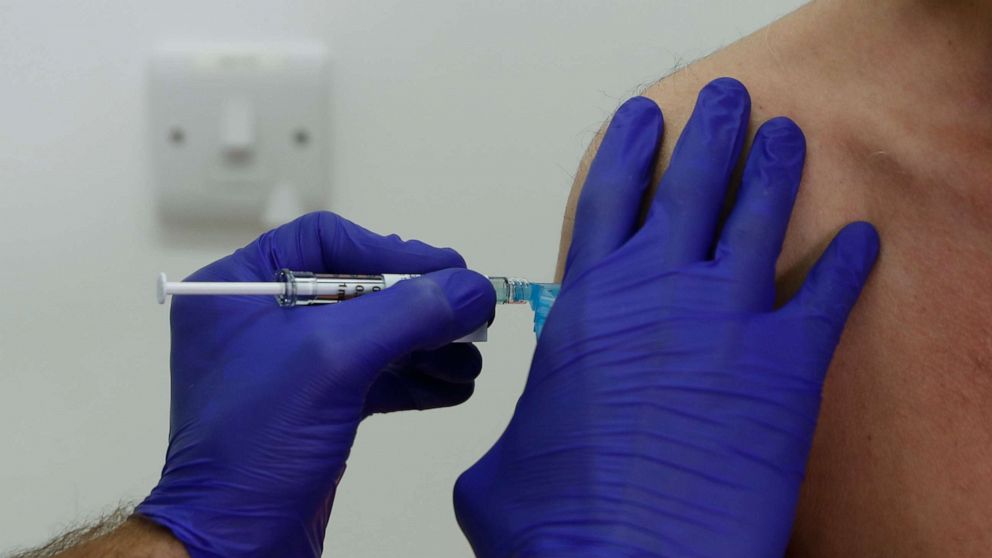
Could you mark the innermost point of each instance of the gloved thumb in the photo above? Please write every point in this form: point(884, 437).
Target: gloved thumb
point(417, 314)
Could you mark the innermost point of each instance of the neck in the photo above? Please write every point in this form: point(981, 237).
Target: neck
point(967, 21)
point(950, 36)
point(927, 45)
point(916, 70)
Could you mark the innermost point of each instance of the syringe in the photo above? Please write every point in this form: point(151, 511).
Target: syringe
point(303, 288)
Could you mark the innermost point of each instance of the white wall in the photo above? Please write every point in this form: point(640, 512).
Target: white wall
point(457, 122)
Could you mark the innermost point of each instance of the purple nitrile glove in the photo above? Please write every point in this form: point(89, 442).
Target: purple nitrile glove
point(670, 405)
point(266, 400)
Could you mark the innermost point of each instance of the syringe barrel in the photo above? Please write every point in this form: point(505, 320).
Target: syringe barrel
point(510, 290)
point(304, 288)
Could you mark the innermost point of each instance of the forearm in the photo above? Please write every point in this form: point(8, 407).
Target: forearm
point(118, 535)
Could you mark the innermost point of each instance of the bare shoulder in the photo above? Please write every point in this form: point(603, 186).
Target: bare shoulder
point(910, 384)
point(767, 67)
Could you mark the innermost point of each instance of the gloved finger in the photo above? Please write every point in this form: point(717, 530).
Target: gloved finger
point(409, 392)
point(752, 238)
point(324, 242)
point(607, 211)
point(414, 315)
point(458, 363)
point(835, 282)
point(688, 202)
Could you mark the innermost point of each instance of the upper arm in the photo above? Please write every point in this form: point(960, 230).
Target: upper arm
point(772, 96)
point(675, 94)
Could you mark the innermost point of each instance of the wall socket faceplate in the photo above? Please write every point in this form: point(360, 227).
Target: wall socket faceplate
point(239, 131)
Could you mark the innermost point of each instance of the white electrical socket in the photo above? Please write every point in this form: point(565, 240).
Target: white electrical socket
point(239, 131)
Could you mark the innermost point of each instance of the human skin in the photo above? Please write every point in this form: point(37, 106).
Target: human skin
point(895, 100)
point(114, 537)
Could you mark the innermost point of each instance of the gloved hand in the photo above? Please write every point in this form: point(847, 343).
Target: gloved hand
point(266, 400)
point(670, 406)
